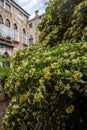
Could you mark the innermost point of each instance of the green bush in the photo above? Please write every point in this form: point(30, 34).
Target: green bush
point(48, 87)
point(4, 73)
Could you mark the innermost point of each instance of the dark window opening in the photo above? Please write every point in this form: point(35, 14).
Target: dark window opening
point(30, 25)
point(30, 41)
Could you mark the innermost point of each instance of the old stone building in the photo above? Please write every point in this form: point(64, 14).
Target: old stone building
point(33, 29)
point(13, 27)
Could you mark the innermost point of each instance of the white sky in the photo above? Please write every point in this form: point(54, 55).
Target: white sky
point(32, 5)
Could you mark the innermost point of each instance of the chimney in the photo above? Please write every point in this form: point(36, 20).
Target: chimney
point(36, 13)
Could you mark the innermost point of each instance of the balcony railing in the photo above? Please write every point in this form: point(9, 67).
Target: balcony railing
point(5, 31)
point(8, 32)
point(11, 34)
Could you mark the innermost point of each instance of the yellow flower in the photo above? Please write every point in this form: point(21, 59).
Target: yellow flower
point(18, 69)
point(23, 110)
point(21, 53)
point(13, 123)
point(85, 46)
point(48, 59)
point(70, 109)
point(6, 123)
point(32, 72)
point(14, 99)
point(2, 128)
point(13, 112)
point(38, 96)
point(6, 117)
point(23, 97)
point(18, 119)
point(57, 87)
point(76, 76)
point(37, 61)
point(46, 70)
point(28, 123)
point(47, 76)
point(17, 83)
point(53, 66)
point(41, 81)
point(25, 63)
point(34, 113)
point(67, 88)
point(47, 53)
point(42, 87)
point(26, 76)
point(15, 106)
point(57, 72)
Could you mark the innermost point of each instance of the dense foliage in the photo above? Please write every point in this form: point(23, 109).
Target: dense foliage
point(4, 70)
point(48, 87)
point(64, 20)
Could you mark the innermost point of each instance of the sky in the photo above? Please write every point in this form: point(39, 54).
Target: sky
point(32, 5)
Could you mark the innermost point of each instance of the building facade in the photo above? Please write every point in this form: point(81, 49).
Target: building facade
point(33, 33)
point(13, 27)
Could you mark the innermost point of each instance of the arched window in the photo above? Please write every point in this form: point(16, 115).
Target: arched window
point(15, 32)
point(7, 28)
point(7, 23)
point(24, 37)
point(30, 40)
point(1, 26)
point(1, 20)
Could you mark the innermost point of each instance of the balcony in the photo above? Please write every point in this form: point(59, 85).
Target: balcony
point(7, 33)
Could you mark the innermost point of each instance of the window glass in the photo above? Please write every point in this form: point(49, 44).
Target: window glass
point(20, 16)
point(30, 25)
point(30, 41)
point(15, 32)
point(2, 3)
point(8, 7)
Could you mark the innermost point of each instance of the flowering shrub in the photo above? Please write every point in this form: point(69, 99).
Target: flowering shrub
point(63, 20)
point(78, 29)
point(48, 88)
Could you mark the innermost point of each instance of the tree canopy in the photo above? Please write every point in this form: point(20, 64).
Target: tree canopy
point(64, 20)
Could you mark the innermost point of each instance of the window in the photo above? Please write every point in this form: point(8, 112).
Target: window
point(1, 20)
point(15, 32)
point(24, 37)
point(30, 41)
point(30, 25)
point(20, 16)
point(1, 27)
point(7, 28)
point(7, 23)
point(8, 7)
point(2, 3)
